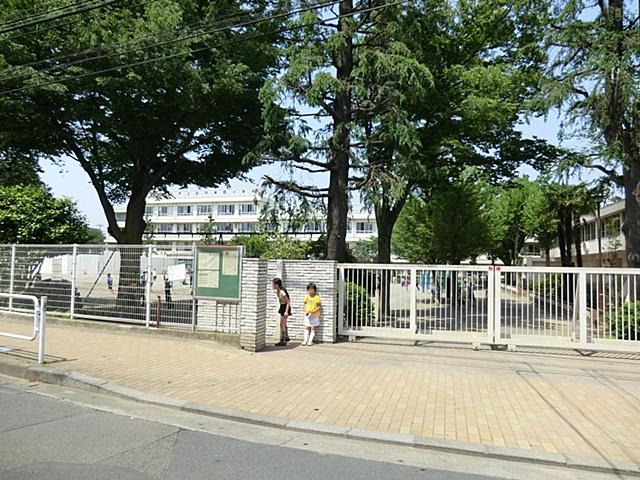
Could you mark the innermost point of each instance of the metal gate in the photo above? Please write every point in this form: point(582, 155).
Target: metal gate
point(561, 307)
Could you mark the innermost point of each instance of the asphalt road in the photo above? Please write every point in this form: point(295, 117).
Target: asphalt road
point(53, 433)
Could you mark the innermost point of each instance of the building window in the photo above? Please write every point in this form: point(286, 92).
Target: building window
point(205, 210)
point(184, 210)
point(314, 227)
point(164, 211)
point(364, 227)
point(531, 250)
point(185, 228)
point(164, 228)
point(248, 209)
point(121, 217)
point(226, 209)
point(148, 211)
point(246, 227)
point(225, 227)
point(588, 231)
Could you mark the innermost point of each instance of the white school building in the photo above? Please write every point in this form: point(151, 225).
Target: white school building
point(179, 221)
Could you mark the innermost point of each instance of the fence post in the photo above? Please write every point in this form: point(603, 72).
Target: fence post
point(42, 322)
point(491, 279)
point(194, 302)
point(74, 263)
point(12, 273)
point(497, 305)
point(582, 305)
point(413, 308)
point(341, 299)
point(147, 294)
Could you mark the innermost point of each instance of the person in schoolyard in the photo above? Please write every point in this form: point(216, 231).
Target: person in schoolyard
point(312, 308)
point(110, 282)
point(284, 310)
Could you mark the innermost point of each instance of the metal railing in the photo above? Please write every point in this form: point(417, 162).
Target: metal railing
point(565, 307)
point(149, 285)
point(39, 314)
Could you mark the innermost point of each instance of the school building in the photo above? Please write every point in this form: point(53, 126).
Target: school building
point(181, 220)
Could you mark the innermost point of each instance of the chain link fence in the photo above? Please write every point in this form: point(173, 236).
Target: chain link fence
point(142, 284)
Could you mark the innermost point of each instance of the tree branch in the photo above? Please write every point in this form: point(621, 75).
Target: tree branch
point(303, 190)
point(98, 184)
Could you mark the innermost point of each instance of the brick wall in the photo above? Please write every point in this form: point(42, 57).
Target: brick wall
point(296, 274)
point(256, 317)
point(218, 317)
point(255, 284)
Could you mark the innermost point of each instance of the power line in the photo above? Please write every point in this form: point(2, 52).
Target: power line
point(212, 30)
point(64, 13)
point(201, 49)
point(65, 24)
point(46, 12)
point(191, 27)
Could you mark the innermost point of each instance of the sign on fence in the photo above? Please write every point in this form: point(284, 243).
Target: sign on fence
point(218, 271)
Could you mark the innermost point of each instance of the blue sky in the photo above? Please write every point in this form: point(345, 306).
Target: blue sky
point(69, 180)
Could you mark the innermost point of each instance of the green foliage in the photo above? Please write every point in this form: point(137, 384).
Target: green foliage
point(255, 246)
point(364, 251)
point(29, 214)
point(358, 307)
point(16, 169)
point(188, 119)
point(450, 228)
point(208, 232)
point(624, 321)
point(279, 246)
point(95, 236)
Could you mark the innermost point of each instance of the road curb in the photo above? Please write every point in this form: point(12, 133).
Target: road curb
point(81, 381)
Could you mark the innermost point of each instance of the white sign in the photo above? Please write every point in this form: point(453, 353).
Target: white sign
point(177, 273)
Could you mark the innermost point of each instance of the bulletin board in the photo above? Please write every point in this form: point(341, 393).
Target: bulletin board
point(218, 273)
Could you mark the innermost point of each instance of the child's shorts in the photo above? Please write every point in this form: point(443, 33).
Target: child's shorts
point(310, 321)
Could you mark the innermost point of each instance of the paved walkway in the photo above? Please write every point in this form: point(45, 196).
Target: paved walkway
point(561, 403)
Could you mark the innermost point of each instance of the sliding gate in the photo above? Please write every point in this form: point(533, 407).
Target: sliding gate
point(561, 307)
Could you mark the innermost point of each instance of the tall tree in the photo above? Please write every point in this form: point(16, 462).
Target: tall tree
point(483, 61)
point(185, 112)
point(451, 227)
point(595, 76)
point(30, 214)
point(345, 72)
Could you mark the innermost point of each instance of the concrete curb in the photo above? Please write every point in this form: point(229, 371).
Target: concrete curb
point(80, 381)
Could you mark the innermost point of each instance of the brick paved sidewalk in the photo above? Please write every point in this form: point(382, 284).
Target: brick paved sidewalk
point(557, 403)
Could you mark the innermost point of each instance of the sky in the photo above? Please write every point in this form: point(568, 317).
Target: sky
point(69, 180)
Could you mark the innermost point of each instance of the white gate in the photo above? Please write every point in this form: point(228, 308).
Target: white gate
point(562, 307)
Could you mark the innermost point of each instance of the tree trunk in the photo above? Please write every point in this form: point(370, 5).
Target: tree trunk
point(577, 241)
point(631, 224)
point(131, 284)
point(338, 204)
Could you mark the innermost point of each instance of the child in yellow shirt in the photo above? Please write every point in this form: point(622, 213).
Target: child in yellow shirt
point(312, 309)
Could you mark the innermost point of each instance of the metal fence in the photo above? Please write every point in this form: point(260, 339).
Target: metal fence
point(143, 284)
point(566, 307)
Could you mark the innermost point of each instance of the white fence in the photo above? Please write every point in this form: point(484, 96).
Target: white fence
point(562, 307)
point(144, 284)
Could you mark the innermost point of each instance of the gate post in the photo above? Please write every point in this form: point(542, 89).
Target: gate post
point(341, 294)
point(147, 312)
point(413, 308)
point(581, 304)
point(74, 263)
point(12, 273)
point(497, 305)
point(491, 278)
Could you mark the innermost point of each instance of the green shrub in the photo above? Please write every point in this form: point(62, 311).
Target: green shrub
point(624, 321)
point(358, 307)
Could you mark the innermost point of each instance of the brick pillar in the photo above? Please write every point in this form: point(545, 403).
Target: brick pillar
point(253, 308)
